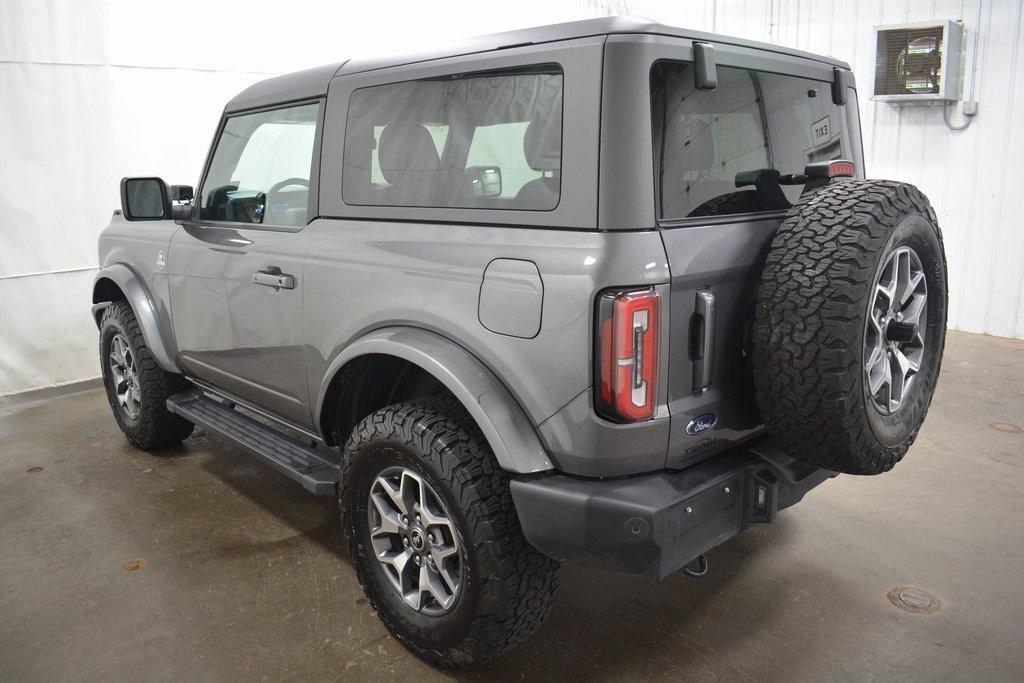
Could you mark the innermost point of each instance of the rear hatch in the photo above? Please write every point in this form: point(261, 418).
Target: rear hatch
point(728, 166)
point(715, 271)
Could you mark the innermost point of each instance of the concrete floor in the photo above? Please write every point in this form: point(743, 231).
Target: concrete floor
point(240, 574)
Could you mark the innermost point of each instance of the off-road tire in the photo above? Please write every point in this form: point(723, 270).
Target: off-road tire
point(509, 587)
point(810, 324)
point(742, 201)
point(155, 427)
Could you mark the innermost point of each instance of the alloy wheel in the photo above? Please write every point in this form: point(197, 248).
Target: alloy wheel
point(415, 541)
point(125, 376)
point(895, 332)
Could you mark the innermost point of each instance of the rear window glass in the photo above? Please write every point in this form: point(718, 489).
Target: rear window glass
point(737, 148)
point(488, 140)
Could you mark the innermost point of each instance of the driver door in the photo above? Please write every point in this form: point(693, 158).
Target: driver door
point(236, 269)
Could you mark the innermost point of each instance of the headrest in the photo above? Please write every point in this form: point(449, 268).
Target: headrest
point(406, 146)
point(542, 144)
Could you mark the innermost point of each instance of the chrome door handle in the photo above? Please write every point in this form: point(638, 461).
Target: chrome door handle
point(273, 277)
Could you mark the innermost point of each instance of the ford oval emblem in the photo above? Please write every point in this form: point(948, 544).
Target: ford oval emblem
point(701, 423)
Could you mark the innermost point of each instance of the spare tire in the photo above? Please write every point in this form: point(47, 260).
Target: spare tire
point(850, 325)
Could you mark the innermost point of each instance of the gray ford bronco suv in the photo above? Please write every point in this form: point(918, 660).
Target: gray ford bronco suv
point(605, 292)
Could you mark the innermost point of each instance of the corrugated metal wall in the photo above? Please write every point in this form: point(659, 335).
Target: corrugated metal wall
point(974, 177)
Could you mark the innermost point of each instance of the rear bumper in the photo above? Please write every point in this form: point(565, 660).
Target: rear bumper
point(653, 525)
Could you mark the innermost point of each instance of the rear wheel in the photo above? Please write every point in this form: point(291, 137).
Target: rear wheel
point(137, 388)
point(435, 537)
point(850, 325)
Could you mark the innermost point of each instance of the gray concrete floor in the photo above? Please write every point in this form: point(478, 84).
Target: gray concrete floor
point(243, 575)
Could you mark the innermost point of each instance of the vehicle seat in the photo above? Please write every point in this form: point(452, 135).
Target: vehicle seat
point(410, 163)
point(542, 146)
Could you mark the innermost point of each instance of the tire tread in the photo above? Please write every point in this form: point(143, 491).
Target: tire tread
point(809, 317)
point(157, 428)
point(517, 583)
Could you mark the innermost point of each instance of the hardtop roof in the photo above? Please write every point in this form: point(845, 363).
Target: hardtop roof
point(313, 82)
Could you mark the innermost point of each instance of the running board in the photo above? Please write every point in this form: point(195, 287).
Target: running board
point(292, 458)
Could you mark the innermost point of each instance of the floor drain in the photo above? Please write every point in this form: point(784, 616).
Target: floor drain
point(133, 565)
point(910, 599)
point(1005, 427)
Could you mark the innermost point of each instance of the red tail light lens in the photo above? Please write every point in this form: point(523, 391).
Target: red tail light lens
point(841, 169)
point(627, 354)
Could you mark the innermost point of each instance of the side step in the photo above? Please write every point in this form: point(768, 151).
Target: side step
point(295, 460)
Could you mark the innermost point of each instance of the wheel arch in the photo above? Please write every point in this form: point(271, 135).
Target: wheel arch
point(118, 282)
point(509, 432)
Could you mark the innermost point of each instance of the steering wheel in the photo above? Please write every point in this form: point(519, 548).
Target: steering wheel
point(282, 213)
point(277, 187)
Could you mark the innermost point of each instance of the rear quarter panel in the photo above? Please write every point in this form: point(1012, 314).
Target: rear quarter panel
point(374, 266)
point(365, 275)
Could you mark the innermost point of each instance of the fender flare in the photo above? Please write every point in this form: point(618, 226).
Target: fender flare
point(502, 420)
point(145, 311)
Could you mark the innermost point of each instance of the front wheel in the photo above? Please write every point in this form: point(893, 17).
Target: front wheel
point(435, 538)
point(138, 388)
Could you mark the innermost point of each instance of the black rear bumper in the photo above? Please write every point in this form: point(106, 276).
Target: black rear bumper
point(652, 525)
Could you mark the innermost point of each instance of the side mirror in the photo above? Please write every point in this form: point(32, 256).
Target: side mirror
point(485, 181)
point(144, 199)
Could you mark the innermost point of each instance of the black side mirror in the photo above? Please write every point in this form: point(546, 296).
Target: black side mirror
point(485, 181)
point(144, 199)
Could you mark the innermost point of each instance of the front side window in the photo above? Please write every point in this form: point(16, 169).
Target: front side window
point(261, 168)
point(740, 147)
point(487, 140)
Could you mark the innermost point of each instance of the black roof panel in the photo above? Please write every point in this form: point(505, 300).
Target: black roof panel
point(300, 85)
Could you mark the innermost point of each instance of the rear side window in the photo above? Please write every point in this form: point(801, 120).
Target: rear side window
point(735, 149)
point(260, 168)
point(486, 140)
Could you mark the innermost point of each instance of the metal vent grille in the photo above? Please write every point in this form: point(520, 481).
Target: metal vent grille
point(908, 61)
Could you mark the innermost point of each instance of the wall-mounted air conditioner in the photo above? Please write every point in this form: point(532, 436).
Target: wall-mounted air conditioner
point(918, 62)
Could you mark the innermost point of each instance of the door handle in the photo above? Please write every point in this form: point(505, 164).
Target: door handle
point(702, 340)
point(273, 277)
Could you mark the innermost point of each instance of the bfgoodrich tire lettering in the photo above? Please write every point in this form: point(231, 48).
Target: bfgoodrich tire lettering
point(811, 323)
point(506, 589)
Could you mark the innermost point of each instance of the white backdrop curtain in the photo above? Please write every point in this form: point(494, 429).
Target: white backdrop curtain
point(93, 90)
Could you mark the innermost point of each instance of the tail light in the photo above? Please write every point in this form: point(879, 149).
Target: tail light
point(824, 170)
point(841, 169)
point(626, 356)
